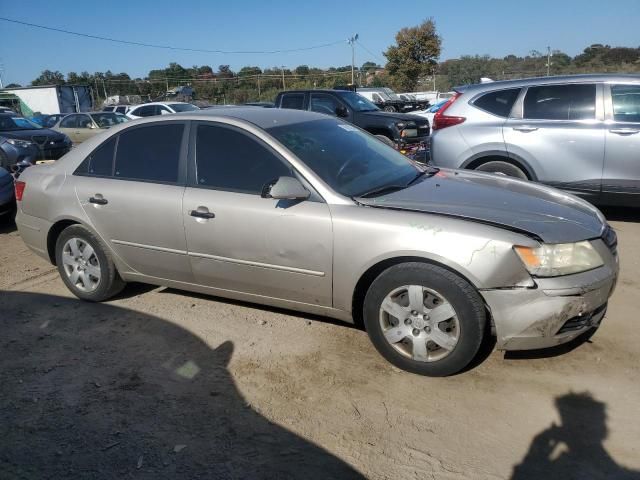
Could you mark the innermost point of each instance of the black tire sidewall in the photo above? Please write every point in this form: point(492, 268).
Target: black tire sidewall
point(110, 283)
point(463, 297)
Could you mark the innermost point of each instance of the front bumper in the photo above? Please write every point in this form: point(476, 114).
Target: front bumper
point(556, 311)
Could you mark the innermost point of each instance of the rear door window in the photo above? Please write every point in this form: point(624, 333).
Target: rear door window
point(626, 103)
point(150, 153)
point(292, 100)
point(70, 122)
point(561, 102)
point(498, 103)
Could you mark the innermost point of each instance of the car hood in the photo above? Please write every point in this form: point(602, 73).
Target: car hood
point(400, 117)
point(29, 134)
point(543, 212)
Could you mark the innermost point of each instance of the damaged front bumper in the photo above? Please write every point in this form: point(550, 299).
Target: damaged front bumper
point(557, 310)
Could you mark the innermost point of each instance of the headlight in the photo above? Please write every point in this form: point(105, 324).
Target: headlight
point(552, 260)
point(400, 125)
point(20, 143)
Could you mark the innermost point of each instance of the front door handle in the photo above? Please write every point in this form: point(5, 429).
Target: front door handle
point(624, 131)
point(202, 212)
point(525, 129)
point(98, 200)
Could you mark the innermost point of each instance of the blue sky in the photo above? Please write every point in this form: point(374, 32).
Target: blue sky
point(496, 28)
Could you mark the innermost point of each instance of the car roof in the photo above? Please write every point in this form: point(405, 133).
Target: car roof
point(154, 103)
point(260, 117)
point(524, 82)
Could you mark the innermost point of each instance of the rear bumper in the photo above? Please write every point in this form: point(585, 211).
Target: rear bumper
point(556, 312)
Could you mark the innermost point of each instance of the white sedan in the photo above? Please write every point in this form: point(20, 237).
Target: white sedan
point(159, 108)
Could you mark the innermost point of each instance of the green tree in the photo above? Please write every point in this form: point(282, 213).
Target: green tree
point(13, 85)
point(47, 77)
point(415, 55)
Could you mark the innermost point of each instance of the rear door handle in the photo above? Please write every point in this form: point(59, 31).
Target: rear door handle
point(202, 212)
point(98, 199)
point(624, 131)
point(525, 129)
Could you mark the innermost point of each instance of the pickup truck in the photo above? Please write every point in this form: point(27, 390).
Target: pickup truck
point(407, 133)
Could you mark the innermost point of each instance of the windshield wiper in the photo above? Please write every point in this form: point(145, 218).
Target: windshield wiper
point(430, 171)
point(381, 190)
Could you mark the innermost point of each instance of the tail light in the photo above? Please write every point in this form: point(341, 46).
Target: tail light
point(20, 186)
point(440, 120)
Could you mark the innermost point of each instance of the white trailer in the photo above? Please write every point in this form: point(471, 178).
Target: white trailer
point(51, 99)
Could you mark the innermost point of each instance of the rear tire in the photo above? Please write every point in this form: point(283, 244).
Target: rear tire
point(444, 319)
point(85, 265)
point(505, 168)
point(390, 109)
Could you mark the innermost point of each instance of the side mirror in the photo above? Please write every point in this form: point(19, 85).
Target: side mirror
point(286, 188)
point(342, 111)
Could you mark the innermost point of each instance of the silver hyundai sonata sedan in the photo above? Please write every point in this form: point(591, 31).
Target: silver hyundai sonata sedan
point(306, 212)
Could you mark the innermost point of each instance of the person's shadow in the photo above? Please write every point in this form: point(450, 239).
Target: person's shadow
point(573, 449)
point(98, 391)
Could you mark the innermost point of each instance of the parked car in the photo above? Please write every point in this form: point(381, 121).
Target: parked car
point(7, 110)
point(82, 126)
point(311, 213)
point(123, 109)
point(395, 129)
point(23, 140)
point(159, 108)
point(7, 198)
point(553, 130)
point(48, 121)
point(382, 100)
point(430, 112)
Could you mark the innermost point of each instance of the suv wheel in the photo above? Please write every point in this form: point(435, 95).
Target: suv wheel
point(85, 265)
point(424, 319)
point(390, 108)
point(504, 168)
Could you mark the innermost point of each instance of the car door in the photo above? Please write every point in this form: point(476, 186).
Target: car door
point(70, 126)
point(621, 174)
point(131, 189)
point(87, 128)
point(558, 131)
point(251, 244)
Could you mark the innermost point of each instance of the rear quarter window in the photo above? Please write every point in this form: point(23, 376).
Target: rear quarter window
point(498, 103)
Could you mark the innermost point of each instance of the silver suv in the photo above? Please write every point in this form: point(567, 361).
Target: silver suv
point(579, 133)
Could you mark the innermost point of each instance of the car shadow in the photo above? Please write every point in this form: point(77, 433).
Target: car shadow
point(573, 449)
point(7, 226)
point(98, 391)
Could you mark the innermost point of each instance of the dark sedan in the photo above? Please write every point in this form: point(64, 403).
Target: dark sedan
point(23, 140)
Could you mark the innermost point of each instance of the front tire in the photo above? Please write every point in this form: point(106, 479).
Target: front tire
point(504, 168)
point(424, 319)
point(85, 265)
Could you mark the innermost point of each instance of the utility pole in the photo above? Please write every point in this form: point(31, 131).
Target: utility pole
point(284, 87)
point(259, 95)
point(548, 61)
point(352, 42)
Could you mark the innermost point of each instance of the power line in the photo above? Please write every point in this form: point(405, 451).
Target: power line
point(370, 52)
point(168, 47)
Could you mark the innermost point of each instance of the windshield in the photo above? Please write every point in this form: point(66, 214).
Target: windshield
point(108, 119)
point(9, 124)
point(351, 161)
point(358, 102)
point(393, 95)
point(182, 107)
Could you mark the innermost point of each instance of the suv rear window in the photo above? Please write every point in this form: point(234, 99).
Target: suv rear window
point(498, 103)
point(561, 102)
point(292, 100)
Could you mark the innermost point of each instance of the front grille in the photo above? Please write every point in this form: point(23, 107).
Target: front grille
point(576, 323)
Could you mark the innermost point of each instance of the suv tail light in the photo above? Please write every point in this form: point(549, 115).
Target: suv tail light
point(440, 120)
point(20, 186)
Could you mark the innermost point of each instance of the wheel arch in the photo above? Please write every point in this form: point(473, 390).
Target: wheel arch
point(370, 274)
point(476, 160)
point(54, 232)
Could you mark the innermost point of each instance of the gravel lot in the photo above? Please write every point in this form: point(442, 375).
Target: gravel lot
point(165, 384)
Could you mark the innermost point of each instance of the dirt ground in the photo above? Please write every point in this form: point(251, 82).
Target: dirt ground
point(165, 384)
